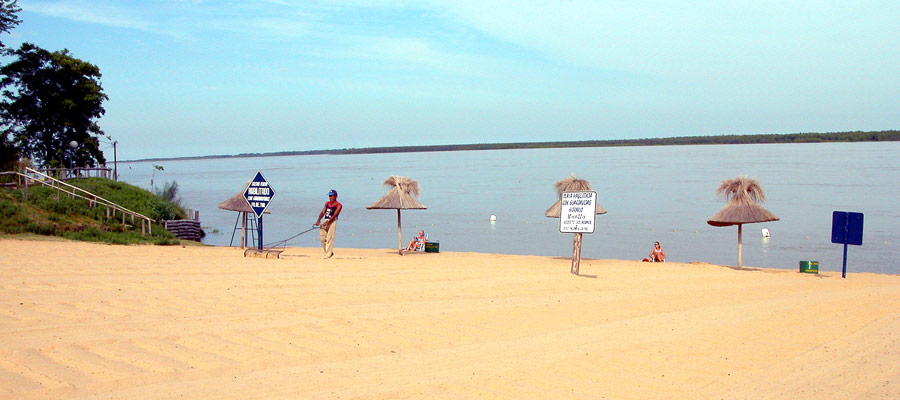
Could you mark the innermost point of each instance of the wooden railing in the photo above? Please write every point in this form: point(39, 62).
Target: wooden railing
point(33, 177)
point(74, 173)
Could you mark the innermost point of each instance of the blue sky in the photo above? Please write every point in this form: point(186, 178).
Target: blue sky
point(196, 77)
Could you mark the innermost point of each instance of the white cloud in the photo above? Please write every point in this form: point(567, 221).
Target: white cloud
point(100, 14)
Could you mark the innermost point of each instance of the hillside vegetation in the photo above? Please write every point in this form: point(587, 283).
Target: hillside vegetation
point(44, 211)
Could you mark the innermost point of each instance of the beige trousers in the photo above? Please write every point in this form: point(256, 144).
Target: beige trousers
point(326, 236)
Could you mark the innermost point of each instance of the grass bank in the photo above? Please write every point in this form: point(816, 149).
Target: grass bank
point(43, 211)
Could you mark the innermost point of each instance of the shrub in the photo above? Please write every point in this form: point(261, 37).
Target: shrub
point(162, 210)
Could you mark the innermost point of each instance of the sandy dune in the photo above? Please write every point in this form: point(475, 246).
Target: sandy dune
point(97, 321)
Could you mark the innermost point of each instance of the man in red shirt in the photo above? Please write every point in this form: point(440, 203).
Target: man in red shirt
point(327, 223)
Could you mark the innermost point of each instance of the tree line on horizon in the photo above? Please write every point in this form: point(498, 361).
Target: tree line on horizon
point(852, 136)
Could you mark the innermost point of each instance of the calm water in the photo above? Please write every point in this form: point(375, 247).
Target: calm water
point(651, 193)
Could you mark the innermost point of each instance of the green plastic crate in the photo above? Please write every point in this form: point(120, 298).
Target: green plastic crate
point(809, 267)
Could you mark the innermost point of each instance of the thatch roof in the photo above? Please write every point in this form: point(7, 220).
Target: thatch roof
point(743, 194)
point(570, 184)
point(400, 196)
point(237, 203)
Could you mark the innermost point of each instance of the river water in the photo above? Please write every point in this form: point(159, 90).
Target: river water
point(659, 193)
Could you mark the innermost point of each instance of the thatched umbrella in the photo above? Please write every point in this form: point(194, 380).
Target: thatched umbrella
point(572, 184)
point(743, 194)
point(401, 195)
point(239, 203)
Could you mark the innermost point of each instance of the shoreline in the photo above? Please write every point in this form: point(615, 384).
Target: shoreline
point(106, 321)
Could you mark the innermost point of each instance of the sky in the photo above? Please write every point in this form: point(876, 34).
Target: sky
point(198, 77)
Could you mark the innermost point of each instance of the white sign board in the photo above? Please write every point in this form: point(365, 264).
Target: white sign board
point(577, 212)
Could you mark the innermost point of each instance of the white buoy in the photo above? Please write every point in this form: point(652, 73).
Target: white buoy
point(493, 217)
point(765, 233)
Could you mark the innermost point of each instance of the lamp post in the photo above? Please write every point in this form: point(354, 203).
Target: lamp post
point(114, 143)
point(74, 145)
point(115, 164)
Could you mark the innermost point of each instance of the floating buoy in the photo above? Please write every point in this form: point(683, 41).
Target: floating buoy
point(765, 233)
point(493, 217)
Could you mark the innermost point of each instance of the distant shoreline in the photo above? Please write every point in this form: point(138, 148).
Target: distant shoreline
point(829, 137)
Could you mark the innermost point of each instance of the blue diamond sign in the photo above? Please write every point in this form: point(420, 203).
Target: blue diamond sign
point(258, 194)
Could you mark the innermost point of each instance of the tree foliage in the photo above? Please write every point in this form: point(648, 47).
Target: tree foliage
point(50, 101)
point(8, 18)
point(9, 154)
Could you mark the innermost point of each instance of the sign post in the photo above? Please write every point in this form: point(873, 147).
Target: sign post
point(846, 228)
point(258, 195)
point(576, 215)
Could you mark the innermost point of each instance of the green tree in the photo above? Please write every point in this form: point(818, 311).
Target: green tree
point(50, 104)
point(8, 18)
point(9, 154)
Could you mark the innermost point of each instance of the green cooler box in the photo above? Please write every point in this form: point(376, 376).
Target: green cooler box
point(432, 247)
point(810, 267)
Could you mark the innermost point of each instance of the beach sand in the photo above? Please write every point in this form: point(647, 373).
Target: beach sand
point(94, 321)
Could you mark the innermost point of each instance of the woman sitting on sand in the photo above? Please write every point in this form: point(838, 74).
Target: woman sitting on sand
point(657, 254)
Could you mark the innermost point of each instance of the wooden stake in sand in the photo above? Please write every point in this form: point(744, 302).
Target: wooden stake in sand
point(576, 255)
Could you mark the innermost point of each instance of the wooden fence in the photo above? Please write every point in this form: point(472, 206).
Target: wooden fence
point(186, 229)
point(75, 173)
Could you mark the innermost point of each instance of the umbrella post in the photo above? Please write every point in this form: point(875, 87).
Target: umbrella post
point(399, 234)
point(576, 254)
point(740, 244)
point(243, 230)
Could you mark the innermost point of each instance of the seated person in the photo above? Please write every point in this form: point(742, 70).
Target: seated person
point(657, 254)
point(418, 241)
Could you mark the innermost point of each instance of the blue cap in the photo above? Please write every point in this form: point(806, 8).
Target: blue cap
point(332, 192)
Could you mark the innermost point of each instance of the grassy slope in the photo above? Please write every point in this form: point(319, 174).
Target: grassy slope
point(40, 211)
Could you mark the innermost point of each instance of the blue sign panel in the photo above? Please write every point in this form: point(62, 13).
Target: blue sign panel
point(259, 194)
point(854, 228)
point(847, 227)
point(838, 227)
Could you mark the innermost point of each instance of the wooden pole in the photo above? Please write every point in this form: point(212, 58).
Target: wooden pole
point(576, 254)
point(740, 245)
point(243, 229)
point(399, 234)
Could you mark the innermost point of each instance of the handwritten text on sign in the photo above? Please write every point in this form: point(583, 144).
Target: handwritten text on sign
point(577, 212)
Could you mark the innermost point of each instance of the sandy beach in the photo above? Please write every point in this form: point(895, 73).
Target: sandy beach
point(94, 321)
